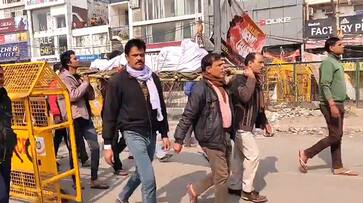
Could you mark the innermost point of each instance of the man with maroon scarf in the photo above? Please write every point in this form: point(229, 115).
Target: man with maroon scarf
point(209, 112)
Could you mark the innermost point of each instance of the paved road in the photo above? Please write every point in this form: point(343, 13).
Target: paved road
point(278, 177)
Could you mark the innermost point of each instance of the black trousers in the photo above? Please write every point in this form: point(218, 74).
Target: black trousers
point(59, 135)
point(118, 145)
point(334, 140)
point(5, 170)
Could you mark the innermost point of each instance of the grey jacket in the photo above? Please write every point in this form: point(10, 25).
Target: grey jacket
point(79, 92)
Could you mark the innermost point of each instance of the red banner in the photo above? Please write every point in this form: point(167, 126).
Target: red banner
point(9, 25)
point(243, 37)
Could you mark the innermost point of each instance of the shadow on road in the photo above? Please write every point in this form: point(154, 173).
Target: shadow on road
point(326, 157)
point(172, 193)
point(190, 158)
point(267, 165)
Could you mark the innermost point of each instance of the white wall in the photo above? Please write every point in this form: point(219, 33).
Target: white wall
point(79, 3)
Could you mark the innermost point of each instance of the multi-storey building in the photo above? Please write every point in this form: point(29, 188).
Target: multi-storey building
point(58, 25)
point(14, 38)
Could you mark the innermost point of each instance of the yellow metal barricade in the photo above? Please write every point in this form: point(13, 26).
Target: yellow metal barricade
point(34, 175)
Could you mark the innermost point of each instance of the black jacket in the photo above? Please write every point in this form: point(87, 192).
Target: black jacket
point(203, 113)
point(7, 136)
point(125, 108)
point(246, 99)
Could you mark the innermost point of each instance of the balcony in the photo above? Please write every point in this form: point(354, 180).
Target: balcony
point(11, 3)
point(117, 1)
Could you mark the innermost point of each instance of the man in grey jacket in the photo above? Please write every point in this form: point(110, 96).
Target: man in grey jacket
point(80, 91)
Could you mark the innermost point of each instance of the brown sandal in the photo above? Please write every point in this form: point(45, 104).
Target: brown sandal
point(193, 198)
point(303, 167)
point(344, 172)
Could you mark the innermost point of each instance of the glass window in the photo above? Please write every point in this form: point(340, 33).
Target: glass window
point(62, 43)
point(165, 32)
point(61, 21)
point(157, 9)
point(40, 19)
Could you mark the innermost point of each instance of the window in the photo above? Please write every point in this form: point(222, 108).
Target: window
point(83, 41)
point(62, 43)
point(40, 20)
point(99, 39)
point(157, 9)
point(61, 21)
point(165, 32)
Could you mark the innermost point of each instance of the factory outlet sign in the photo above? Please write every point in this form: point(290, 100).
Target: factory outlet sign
point(14, 52)
point(323, 28)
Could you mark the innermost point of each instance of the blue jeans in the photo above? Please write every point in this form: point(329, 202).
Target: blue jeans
point(143, 149)
point(85, 129)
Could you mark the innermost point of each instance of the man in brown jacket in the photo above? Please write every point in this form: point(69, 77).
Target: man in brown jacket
point(248, 102)
point(80, 91)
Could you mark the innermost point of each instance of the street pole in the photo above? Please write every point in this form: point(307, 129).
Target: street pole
point(217, 25)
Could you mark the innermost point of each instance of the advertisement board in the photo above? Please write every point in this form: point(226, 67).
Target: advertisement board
point(243, 37)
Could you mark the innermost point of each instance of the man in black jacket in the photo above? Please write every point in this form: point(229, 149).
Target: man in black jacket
point(7, 141)
point(247, 95)
point(209, 112)
point(135, 105)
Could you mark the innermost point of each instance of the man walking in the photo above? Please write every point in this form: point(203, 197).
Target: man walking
point(249, 106)
point(332, 97)
point(7, 141)
point(135, 105)
point(209, 112)
point(80, 91)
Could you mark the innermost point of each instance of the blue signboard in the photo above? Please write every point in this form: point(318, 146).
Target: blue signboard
point(14, 52)
point(87, 58)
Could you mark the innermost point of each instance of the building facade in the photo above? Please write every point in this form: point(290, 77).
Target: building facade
point(325, 18)
point(163, 22)
point(14, 37)
point(59, 25)
point(282, 22)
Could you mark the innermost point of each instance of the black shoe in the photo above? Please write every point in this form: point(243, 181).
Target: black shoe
point(235, 192)
point(253, 197)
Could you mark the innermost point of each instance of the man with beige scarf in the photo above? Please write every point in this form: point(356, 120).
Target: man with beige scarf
point(209, 112)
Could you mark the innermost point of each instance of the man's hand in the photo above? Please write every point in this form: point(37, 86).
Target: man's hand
point(108, 155)
point(334, 111)
point(249, 73)
point(85, 78)
point(57, 119)
point(166, 144)
point(269, 130)
point(177, 147)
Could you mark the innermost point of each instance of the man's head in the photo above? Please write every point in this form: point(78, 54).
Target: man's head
point(2, 79)
point(57, 67)
point(135, 53)
point(334, 45)
point(69, 60)
point(255, 62)
point(213, 64)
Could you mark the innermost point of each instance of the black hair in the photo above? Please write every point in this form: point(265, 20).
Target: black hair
point(134, 43)
point(113, 54)
point(65, 58)
point(250, 57)
point(209, 59)
point(57, 67)
point(330, 42)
